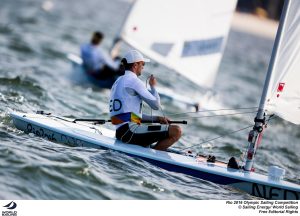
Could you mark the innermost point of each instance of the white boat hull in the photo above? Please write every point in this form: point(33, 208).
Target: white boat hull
point(64, 130)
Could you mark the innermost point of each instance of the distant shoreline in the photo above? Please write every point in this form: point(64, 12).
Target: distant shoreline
point(254, 25)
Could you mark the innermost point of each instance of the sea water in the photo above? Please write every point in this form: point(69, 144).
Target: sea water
point(35, 75)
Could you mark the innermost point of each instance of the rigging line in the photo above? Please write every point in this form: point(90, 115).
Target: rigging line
point(211, 111)
point(241, 113)
point(231, 132)
point(161, 109)
point(148, 78)
point(67, 120)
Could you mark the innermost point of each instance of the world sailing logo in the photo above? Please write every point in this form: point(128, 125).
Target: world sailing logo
point(11, 205)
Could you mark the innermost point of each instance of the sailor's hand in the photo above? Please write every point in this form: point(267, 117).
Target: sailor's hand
point(163, 120)
point(152, 80)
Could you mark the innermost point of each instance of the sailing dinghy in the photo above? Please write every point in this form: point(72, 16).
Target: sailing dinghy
point(280, 96)
point(73, 133)
point(187, 37)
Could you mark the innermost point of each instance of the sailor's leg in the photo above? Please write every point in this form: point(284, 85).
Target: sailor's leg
point(174, 136)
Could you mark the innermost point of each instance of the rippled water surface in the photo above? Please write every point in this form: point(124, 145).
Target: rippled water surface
point(35, 75)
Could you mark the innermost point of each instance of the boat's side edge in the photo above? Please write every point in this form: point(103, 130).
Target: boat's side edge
point(216, 177)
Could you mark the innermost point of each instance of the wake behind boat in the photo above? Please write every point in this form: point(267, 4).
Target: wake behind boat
point(70, 132)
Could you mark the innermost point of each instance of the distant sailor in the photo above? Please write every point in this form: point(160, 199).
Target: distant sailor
point(125, 107)
point(96, 61)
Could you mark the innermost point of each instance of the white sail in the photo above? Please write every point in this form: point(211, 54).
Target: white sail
point(187, 36)
point(284, 94)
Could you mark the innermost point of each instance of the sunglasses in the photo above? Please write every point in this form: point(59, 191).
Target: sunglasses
point(143, 63)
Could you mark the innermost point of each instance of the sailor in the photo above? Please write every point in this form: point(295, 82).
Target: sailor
point(125, 107)
point(96, 61)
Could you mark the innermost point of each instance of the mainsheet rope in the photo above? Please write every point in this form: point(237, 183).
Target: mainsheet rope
point(230, 114)
point(231, 132)
point(202, 111)
point(214, 110)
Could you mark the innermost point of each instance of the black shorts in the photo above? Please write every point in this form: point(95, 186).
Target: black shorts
point(143, 135)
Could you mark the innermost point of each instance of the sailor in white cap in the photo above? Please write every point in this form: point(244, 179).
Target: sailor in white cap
point(125, 107)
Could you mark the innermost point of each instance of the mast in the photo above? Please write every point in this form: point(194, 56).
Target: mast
point(255, 135)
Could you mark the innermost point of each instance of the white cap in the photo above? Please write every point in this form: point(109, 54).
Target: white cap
point(135, 56)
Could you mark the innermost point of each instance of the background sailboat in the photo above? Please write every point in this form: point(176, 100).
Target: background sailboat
point(186, 36)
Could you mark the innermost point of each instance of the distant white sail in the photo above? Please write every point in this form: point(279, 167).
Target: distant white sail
point(284, 94)
point(187, 36)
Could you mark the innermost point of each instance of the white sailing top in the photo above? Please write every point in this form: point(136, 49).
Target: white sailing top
point(126, 98)
point(94, 58)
